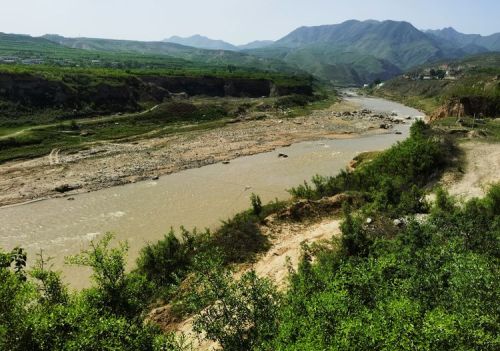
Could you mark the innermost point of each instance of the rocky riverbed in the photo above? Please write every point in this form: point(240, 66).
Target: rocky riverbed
point(102, 165)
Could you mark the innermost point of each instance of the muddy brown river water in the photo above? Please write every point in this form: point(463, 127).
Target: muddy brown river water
point(143, 212)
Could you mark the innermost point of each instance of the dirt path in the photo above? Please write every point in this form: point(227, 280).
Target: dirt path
point(103, 165)
point(482, 167)
point(82, 121)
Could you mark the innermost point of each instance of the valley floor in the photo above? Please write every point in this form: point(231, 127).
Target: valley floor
point(105, 164)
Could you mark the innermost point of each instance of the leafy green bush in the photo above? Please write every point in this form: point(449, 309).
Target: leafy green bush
point(256, 204)
point(394, 179)
point(40, 314)
point(240, 238)
point(433, 287)
point(115, 292)
point(167, 261)
point(239, 314)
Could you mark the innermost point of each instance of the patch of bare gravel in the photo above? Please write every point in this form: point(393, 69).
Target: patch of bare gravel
point(482, 168)
point(105, 164)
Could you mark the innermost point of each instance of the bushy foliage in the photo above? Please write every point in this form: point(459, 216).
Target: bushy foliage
point(393, 180)
point(256, 204)
point(39, 313)
point(115, 291)
point(238, 314)
point(434, 287)
point(167, 261)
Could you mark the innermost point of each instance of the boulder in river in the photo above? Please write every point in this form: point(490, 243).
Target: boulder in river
point(66, 187)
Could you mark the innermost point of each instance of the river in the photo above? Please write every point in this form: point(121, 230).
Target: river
point(202, 197)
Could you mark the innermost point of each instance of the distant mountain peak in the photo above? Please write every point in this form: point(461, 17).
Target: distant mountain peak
point(201, 42)
point(257, 44)
point(467, 41)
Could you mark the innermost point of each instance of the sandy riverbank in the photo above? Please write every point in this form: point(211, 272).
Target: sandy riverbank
point(105, 165)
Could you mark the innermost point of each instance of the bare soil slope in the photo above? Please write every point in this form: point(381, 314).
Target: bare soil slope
point(482, 167)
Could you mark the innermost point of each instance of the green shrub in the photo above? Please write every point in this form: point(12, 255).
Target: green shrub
point(238, 314)
point(40, 314)
point(393, 180)
point(167, 261)
point(435, 286)
point(256, 204)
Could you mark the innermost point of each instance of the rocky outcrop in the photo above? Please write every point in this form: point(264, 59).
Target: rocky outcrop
point(283, 90)
point(302, 209)
point(469, 106)
point(214, 86)
point(38, 92)
point(115, 94)
point(481, 106)
point(452, 108)
point(34, 91)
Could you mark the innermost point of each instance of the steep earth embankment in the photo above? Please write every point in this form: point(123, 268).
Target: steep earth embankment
point(482, 168)
point(23, 92)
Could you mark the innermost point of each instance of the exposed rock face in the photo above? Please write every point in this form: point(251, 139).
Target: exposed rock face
point(236, 87)
point(124, 94)
point(32, 91)
point(280, 90)
point(453, 108)
point(469, 106)
point(481, 105)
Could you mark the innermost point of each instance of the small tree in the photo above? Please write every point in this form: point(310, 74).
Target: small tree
point(354, 239)
point(116, 291)
point(19, 258)
point(256, 204)
point(239, 314)
point(51, 288)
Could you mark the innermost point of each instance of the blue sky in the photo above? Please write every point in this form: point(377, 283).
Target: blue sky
point(234, 21)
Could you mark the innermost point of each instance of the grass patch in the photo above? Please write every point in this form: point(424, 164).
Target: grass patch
point(485, 129)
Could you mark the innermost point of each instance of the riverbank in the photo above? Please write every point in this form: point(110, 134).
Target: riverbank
point(199, 197)
point(107, 164)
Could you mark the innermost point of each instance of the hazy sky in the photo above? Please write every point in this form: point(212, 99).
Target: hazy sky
point(232, 20)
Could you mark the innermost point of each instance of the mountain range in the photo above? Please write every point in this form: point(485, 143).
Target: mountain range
point(468, 41)
point(350, 53)
point(202, 42)
point(356, 52)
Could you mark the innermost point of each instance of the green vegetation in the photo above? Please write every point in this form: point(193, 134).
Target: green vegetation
point(125, 54)
point(434, 286)
point(241, 314)
point(391, 282)
point(485, 128)
point(474, 84)
point(39, 313)
point(391, 182)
